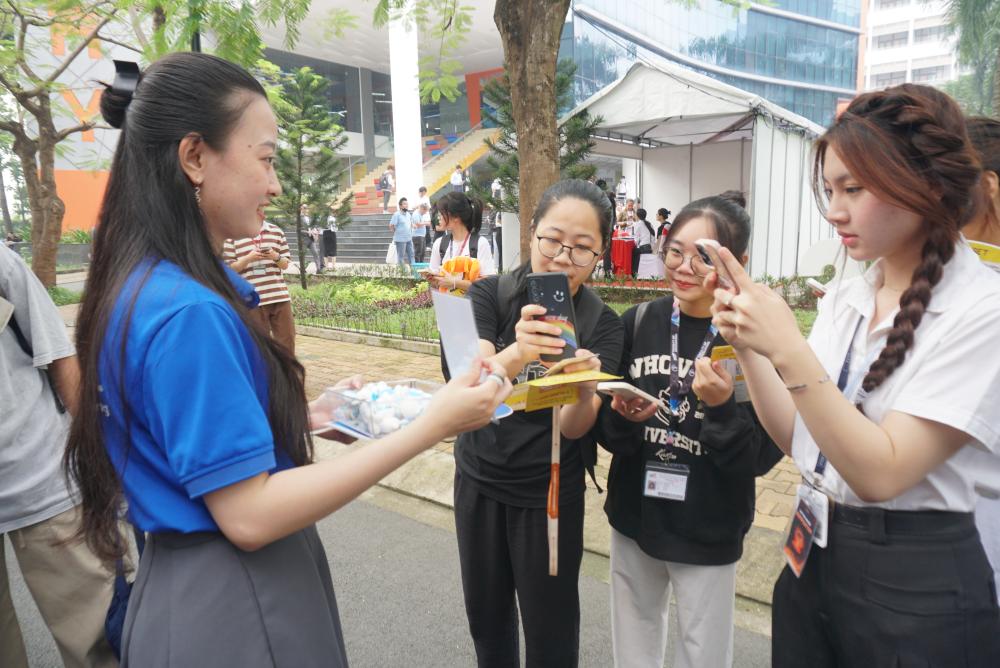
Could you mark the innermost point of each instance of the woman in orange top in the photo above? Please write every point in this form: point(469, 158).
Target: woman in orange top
point(461, 256)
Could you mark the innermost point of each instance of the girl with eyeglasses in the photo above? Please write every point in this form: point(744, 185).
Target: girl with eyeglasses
point(503, 470)
point(681, 484)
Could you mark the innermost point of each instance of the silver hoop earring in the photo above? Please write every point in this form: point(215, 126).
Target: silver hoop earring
point(197, 194)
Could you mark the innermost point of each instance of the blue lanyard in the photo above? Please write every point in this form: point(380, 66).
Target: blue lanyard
point(681, 386)
point(845, 373)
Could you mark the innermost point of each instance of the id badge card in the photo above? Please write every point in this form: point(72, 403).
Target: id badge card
point(819, 504)
point(666, 481)
point(800, 538)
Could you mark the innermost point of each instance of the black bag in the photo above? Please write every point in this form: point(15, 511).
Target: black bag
point(383, 182)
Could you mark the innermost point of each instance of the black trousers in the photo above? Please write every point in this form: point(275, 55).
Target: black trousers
point(892, 588)
point(504, 550)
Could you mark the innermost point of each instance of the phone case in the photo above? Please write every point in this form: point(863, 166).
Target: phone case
point(551, 290)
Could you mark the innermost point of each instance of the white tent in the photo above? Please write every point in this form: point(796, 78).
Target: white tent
point(694, 136)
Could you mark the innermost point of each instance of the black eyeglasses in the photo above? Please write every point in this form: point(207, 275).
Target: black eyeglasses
point(578, 255)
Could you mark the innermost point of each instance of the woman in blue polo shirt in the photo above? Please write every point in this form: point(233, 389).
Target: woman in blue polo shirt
point(193, 414)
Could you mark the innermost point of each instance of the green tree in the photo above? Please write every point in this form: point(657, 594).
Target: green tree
point(575, 142)
point(34, 117)
point(977, 23)
point(973, 92)
point(307, 163)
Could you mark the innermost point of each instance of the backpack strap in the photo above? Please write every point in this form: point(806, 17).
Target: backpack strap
point(25, 345)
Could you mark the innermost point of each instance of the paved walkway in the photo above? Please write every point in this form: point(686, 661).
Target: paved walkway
point(429, 476)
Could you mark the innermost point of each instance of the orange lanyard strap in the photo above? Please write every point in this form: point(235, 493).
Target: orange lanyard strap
point(553, 500)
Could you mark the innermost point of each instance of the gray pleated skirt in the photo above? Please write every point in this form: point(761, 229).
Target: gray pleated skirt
point(200, 601)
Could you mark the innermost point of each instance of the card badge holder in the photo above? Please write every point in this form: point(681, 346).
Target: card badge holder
point(666, 481)
point(800, 538)
point(819, 504)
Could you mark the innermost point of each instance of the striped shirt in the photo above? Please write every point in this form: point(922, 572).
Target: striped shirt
point(264, 275)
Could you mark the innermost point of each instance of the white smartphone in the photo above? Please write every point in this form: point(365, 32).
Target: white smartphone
point(709, 249)
point(818, 288)
point(617, 388)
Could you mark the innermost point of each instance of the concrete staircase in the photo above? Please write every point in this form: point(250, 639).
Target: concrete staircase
point(465, 152)
point(365, 240)
point(441, 154)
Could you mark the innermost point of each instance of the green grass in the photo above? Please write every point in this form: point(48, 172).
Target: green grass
point(62, 296)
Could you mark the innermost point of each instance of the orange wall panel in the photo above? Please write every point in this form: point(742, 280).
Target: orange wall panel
point(82, 193)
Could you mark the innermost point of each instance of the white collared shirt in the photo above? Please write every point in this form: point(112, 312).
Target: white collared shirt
point(950, 375)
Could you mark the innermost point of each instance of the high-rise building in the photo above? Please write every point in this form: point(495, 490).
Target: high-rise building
point(908, 41)
point(799, 54)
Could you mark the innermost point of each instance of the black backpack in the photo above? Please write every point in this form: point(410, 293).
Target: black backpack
point(383, 182)
point(446, 244)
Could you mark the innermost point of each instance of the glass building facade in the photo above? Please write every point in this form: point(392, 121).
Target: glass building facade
point(799, 54)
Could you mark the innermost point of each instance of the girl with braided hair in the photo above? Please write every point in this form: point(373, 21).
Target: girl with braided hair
point(886, 405)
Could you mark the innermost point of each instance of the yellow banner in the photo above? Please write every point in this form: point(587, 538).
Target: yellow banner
point(550, 391)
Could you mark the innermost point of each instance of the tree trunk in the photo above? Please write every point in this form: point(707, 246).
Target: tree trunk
point(8, 224)
point(47, 209)
point(996, 86)
point(530, 30)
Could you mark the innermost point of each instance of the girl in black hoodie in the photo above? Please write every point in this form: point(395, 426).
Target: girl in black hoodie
point(681, 486)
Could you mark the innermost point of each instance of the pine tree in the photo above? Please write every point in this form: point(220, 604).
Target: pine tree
point(309, 169)
point(575, 142)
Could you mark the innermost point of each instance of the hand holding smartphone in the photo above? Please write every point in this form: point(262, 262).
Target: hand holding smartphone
point(551, 290)
point(708, 249)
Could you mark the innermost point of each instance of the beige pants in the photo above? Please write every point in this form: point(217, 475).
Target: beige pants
point(640, 596)
point(71, 589)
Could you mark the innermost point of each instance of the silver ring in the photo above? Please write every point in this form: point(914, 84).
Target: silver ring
point(499, 379)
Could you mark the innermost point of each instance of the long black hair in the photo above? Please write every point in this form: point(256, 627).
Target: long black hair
point(150, 214)
point(467, 209)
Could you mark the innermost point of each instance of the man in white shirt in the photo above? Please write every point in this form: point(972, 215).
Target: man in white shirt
point(421, 223)
point(457, 180)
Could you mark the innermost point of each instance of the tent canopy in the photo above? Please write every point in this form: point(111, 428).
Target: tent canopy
point(667, 104)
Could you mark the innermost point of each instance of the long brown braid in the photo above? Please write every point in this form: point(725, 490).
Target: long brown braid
point(908, 146)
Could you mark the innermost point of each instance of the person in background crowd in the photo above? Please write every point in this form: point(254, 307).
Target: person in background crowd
point(644, 237)
point(686, 543)
point(190, 414)
point(884, 406)
point(621, 191)
point(330, 241)
point(460, 257)
point(457, 180)
point(262, 261)
point(387, 184)
point(627, 214)
point(421, 224)
point(983, 233)
point(401, 226)
point(39, 507)
point(502, 471)
point(422, 198)
point(662, 229)
point(496, 189)
point(313, 238)
point(606, 261)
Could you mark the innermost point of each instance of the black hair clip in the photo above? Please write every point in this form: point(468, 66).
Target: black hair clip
point(127, 76)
